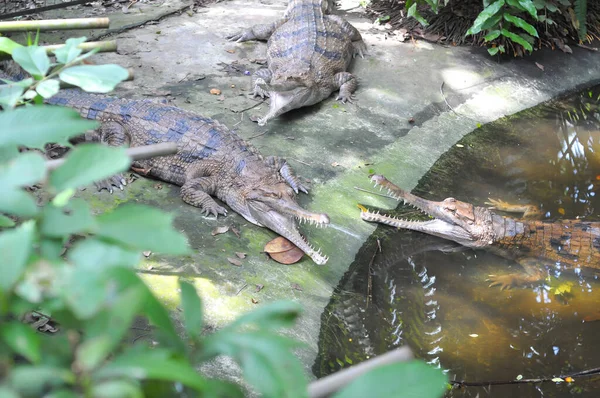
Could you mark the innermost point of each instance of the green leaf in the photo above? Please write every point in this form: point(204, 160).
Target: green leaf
point(493, 35)
point(23, 340)
point(266, 359)
point(530, 8)
point(63, 393)
point(92, 352)
point(222, 389)
point(94, 78)
point(24, 170)
point(143, 363)
point(515, 4)
point(62, 198)
point(15, 246)
point(7, 45)
point(192, 309)
point(33, 59)
point(85, 291)
point(521, 24)
point(48, 88)
point(88, 163)
point(413, 12)
point(6, 222)
point(75, 217)
point(114, 320)
point(32, 381)
point(270, 316)
point(493, 50)
point(580, 7)
point(69, 51)
point(494, 21)
point(35, 126)
point(406, 379)
point(93, 254)
point(517, 39)
point(10, 94)
point(486, 14)
point(17, 202)
point(5, 392)
point(117, 389)
point(144, 228)
point(153, 309)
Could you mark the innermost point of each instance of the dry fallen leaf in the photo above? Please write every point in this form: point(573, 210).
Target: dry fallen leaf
point(235, 231)
point(283, 251)
point(240, 255)
point(230, 51)
point(254, 301)
point(539, 66)
point(234, 261)
point(219, 230)
point(259, 287)
point(335, 164)
point(147, 253)
point(215, 91)
point(296, 286)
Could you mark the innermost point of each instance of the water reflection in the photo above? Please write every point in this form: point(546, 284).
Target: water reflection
point(432, 295)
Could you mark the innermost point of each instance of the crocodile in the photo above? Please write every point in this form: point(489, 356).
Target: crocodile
point(308, 55)
point(534, 244)
point(212, 161)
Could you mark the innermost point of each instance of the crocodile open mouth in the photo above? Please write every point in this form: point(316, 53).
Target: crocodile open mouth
point(453, 219)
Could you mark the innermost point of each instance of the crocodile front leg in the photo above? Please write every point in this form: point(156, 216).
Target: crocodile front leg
point(261, 77)
point(347, 84)
point(533, 273)
point(197, 192)
point(287, 173)
point(529, 211)
point(256, 32)
point(360, 48)
point(113, 133)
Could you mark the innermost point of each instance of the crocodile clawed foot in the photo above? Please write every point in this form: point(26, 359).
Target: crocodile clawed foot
point(239, 37)
point(360, 48)
point(114, 181)
point(214, 210)
point(346, 98)
point(506, 282)
point(497, 204)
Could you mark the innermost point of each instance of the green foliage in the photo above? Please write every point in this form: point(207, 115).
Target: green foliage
point(62, 260)
point(413, 379)
point(514, 22)
point(34, 60)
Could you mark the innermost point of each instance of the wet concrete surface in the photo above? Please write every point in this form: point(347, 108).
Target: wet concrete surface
point(414, 101)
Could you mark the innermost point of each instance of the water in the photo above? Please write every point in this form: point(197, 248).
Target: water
point(432, 295)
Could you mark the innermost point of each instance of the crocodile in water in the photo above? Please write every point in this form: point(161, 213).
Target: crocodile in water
point(568, 244)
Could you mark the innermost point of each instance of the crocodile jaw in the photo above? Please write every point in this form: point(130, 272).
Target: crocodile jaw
point(454, 220)
point(286, 225)
point(285, 101)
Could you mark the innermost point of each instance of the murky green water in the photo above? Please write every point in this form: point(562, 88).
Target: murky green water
point(427, 293)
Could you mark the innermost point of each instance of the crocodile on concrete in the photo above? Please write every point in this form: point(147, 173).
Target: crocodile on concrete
point(534, 244)
point(308, 55)
point(212, 161)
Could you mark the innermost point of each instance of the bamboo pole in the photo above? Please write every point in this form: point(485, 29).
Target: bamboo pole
point(135, 153)
point(328, 385)
point(103, 46)
point(55, 24)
